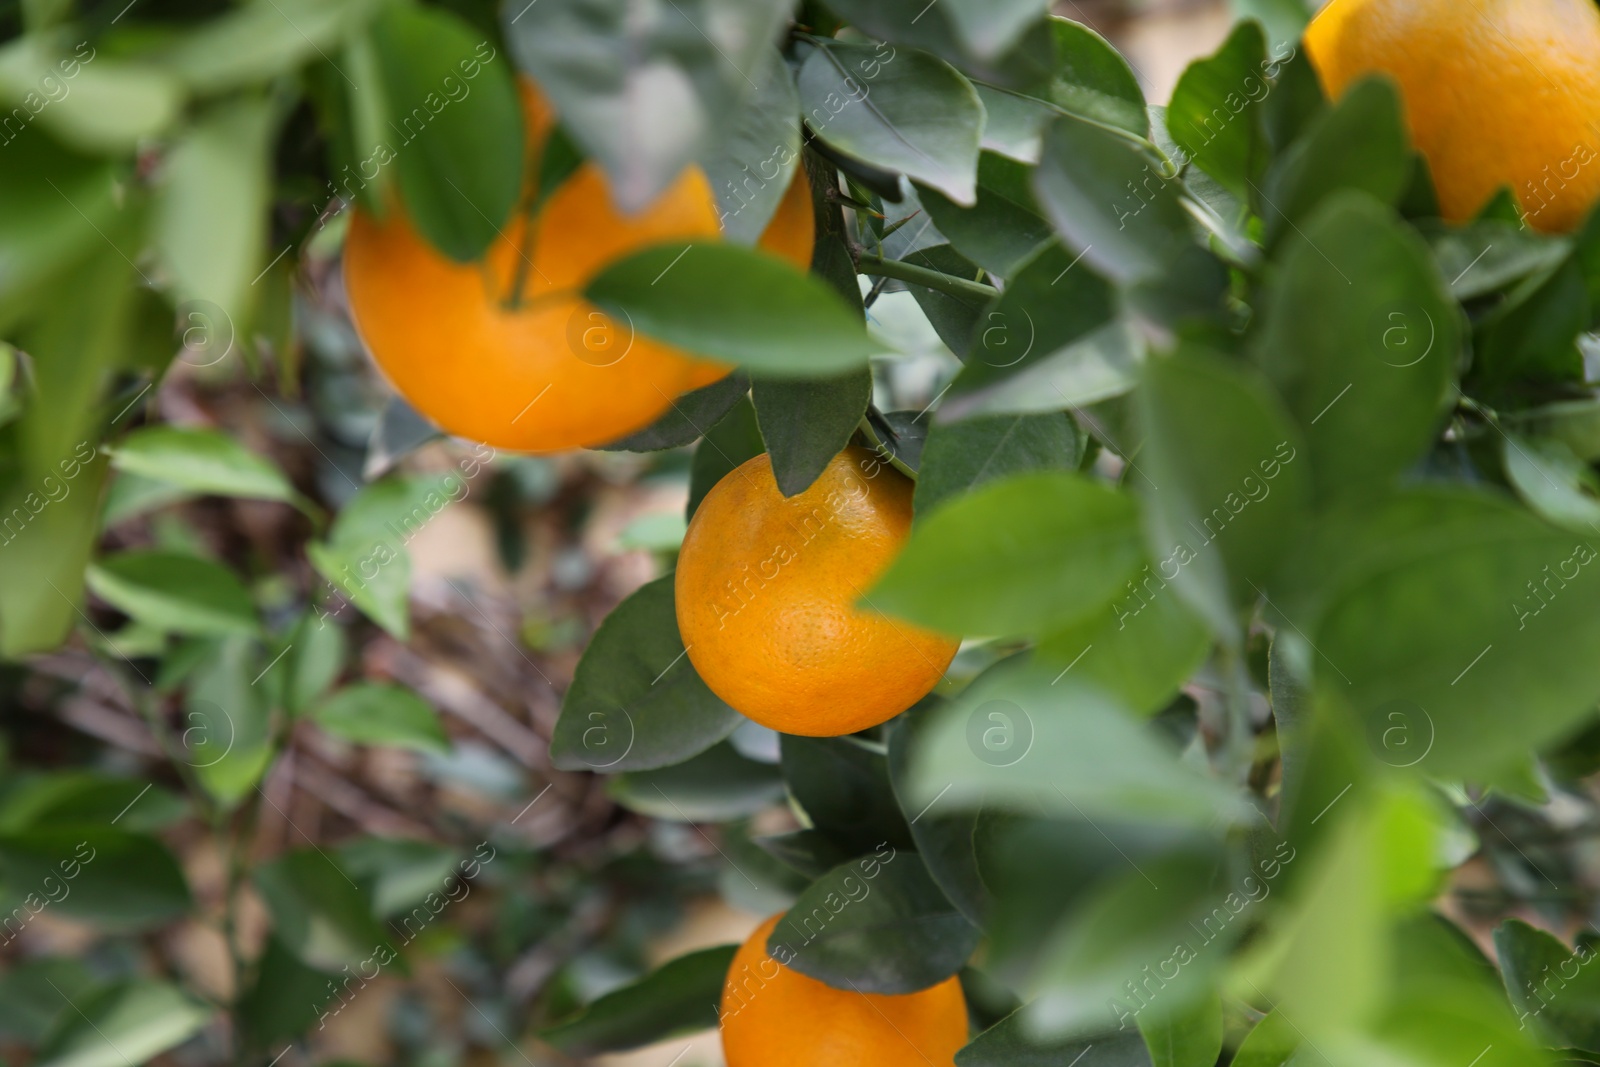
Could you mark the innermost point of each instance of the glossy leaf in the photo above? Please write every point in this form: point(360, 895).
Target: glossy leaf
point(636, 702)
point(717, 785)
point(679, 997)
point(962, 456)
point(1215, 112)
point(805, 423)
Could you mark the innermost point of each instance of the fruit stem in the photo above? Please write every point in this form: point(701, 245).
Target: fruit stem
point(949, 284)
point(524, 264)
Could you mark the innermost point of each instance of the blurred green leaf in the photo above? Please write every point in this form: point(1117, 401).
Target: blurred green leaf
point(679, 997)
point(286, 999)
point(1018, 555)
point(734, 439)
point(45, 543)
point(1271, 1044)
point(260, 39)
point(211, 207)
point(1009, 1043)
point(455, 110)
point(1361, 338)
point(174, 592)
point(102, 875)
point(130, 1022)
point(759, 154)
point(990, 29)
point(692, 415)
point(717, 785)
point(74, 797)
point(1223, 491)
point(1193, 1039)
point(35, 992)
point(404, 874)
point(200, 461)
point(947, 843)
point(876, 924)
point(645, 87)
point(371, 713)
point(898, 109)
point(227, 724)
point(962, 456)
point(1569, 1014)
point(1004, 227)
point(636, 702)
point(94, 103)
point(805, 423)
point(1556, 484)
point(320, 915)
point(1486, 255)
point(734, 304)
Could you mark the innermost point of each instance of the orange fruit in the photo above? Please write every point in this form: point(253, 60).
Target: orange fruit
point(766, 591)
point(539, 371)
point(776, 1017)
point(1497, 93)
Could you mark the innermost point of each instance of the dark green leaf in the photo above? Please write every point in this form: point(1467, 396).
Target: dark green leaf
point(952, 317)
point(678, 998)
point(842, 784)
point(1361, 339)
point(1223, 490)
point(1215, 113)
point(1020, 555)
point(899, 109)
point(645, 87)
point(691, 416)
point(1010, 1044)
point(1093, 81)
point(990, 29)
point(319, 913)
point(810, 852)
point(636, 702)
point(459, 160)
point(946, 842)
point(1482, 257)
point(759, 155)
point(715, 786)
point(959, 457)
point(1359, 144)
point(1111, 199)
point(737, 305)
point(877, 924)
point(732, 441)
point(1531, 339)
point(287, 998)
point(35, 992)
point(371, 713)
point(73, 798)
point(174, 592)
point(805, 423)
point(102, 875)
point(1004, 227)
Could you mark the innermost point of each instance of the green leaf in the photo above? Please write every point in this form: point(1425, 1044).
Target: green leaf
point(636, 702)
point(1093, 81)
point(105, 104)
point(211, 206)
point(1361, 338)
point(102, 875)
point(736, 305)
point(1487, 255)
point(33, 993)
point(876, 924)
point(1574, 423)
point(952, 317)
point(227, 724)
point(200, 461)
point(842, 784)
point(51, 202)
point(459, 122)
point(174, 592)
point(1517, 628)
point(1567, 1013)
point(1531, 338)
point(1359, 144)
point(79, 797)
point(286, 999)
point(1223, 490)
point(678, 998)
point(991, 29)
point(946, 842)
point(1556, 484)
point(1271, 1044)
point(46, 547)
point(312, 664)
point(403, 874)
point(1193, 1039)
point(1009, 1043)
point(319, 914)
point(692, 415)
point(260, 39)
point(1004, 227)
point(759, 155)
point(959, 457)
point(732, 441)
point(130, 1022)
point(370, 713)
point(1013, 122)
point(907, 111)
point(645, 87)
point(806, 423)
point(715, 786)
point(1215, 112)
point(1140, 650)
point(1022, 736)
point(1112, 199)
point(1020, 555)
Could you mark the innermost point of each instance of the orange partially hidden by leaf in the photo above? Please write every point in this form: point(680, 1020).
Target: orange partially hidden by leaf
point(767, 588)
point(1497, 93)
point(772, 1016)
point(505, 350)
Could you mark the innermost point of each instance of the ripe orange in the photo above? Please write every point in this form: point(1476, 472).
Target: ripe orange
point(1497, 93)
point(776, 1017)
point(766, 593)
point(545, 372)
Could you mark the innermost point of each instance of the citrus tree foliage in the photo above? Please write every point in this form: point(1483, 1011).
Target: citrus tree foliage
point(1263, 498)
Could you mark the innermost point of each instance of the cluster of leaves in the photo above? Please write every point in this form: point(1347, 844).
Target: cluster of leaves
point(1260, 492)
